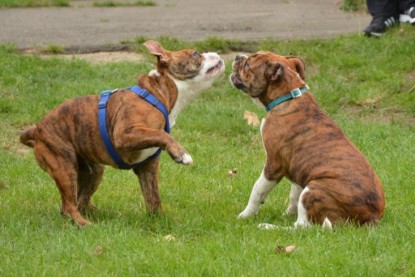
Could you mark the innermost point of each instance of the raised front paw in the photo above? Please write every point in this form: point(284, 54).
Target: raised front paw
point(185, 159)
point(179, 154)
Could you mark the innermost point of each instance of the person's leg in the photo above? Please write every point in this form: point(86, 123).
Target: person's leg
point(383, 8)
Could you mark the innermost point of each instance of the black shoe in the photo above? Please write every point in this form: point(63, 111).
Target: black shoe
point(378, 26)
point(408, 16)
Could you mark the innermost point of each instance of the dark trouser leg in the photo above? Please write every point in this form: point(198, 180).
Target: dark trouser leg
point(383, 8)
point(405, 5)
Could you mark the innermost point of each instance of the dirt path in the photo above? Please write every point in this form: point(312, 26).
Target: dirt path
point(83, 25)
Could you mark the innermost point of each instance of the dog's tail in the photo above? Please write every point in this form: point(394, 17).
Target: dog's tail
point(28, 137)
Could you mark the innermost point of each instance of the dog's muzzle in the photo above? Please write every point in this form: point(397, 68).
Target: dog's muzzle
point(236, 82)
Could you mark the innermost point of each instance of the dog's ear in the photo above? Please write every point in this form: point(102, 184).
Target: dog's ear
point(157, 50)
point(297, 64)
point(275, 71)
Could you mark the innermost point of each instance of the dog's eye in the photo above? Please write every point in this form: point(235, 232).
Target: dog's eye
point(196, 55)
point(246, 67)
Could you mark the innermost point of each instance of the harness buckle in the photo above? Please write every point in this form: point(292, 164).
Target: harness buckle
point(104, 99)
point(296, 93)
point(144, 93)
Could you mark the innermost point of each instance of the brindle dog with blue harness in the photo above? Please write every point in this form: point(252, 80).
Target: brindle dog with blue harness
point(124, 128)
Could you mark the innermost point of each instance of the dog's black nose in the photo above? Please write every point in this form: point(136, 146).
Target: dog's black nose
point(238, 57)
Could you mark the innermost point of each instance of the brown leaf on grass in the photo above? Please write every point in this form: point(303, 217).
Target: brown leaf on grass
point(285, 250)
point(369, 101)
point(232, 173)
point(169, 238)
point(251, 118)
point(98, 250)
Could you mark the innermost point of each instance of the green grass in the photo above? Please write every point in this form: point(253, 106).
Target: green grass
point(354, 5)
point(201, 201)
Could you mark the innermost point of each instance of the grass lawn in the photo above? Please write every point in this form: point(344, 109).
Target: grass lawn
point(366, 85)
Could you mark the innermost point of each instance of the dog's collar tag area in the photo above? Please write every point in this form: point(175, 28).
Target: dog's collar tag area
point(297, 92)
point(102, 122)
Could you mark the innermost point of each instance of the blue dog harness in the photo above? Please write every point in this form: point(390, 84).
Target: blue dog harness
point(102, 122)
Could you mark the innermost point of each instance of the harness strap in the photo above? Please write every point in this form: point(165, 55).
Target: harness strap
point(102, 122)
point(150, 98)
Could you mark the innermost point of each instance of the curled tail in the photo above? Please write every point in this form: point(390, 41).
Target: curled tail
point(28, 137)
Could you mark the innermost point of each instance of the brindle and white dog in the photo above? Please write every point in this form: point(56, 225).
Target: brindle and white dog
point(331, 179)
point(67, 141)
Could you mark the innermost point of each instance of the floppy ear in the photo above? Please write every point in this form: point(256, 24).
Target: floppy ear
point(297, 64)
point(157, 50)
point(275, 71)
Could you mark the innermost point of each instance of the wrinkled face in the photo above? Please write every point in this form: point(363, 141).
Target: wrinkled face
point(254, 74)
point(187, 64)
point(190, 64)
point(249, 74)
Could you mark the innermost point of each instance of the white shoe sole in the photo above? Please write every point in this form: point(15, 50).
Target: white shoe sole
point(406, 19)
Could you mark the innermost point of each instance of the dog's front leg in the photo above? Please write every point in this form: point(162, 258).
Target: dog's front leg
point(147, 174)
point(259, 192)
point(142, 138)
point(294, 196)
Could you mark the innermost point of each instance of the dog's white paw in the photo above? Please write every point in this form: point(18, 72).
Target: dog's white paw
point(301, 223)
point(187, 159)
point(246, 213)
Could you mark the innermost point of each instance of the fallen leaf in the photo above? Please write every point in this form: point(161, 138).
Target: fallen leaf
point(290, 249)
point(232, 172)
point(369, 101)
point(98, 250)
point(251, 118)
point(169, 238)
point(285, 250)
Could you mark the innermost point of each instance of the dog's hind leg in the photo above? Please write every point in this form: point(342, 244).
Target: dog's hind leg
point(302, 219)
point(148, 174)
point(60, 164)
point(89, 178)
point(314, 206)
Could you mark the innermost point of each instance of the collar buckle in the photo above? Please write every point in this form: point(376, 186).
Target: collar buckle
point(296, 93)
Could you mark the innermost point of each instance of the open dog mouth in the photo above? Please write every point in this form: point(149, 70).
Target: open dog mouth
point(219, 67)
